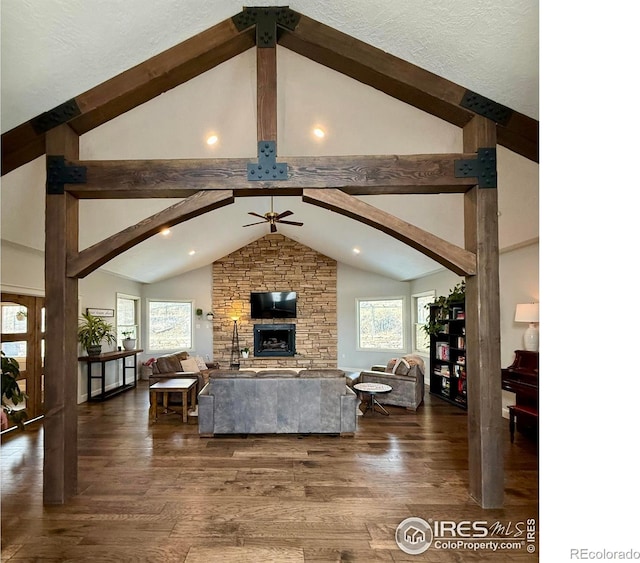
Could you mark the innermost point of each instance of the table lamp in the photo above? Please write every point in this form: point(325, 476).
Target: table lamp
point(529, 313)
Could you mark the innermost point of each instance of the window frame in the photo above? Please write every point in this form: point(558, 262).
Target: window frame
point(191, 346)
point(415, 324)
point(403, 300)
point(137, 327)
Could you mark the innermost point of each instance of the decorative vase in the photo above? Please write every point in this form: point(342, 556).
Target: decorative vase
point(245, 355)
point(129, 343)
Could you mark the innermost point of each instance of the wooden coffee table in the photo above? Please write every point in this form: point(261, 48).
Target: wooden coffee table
point(183, 385)
point(373, 389)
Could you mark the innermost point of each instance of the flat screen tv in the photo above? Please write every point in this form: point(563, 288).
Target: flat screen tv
point(273, 305)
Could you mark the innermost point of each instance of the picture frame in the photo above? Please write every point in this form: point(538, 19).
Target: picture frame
point(100, 312)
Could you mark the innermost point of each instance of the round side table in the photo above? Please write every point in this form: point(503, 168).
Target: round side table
point(373, 389)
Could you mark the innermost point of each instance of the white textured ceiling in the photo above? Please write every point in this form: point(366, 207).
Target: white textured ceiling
point(55, 50)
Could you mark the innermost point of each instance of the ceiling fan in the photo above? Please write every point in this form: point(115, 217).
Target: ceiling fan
point(272, 218)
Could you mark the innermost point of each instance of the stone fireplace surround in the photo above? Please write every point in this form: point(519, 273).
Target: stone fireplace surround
point(277, 263)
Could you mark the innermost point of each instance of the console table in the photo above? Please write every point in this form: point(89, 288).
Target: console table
point(102, 360)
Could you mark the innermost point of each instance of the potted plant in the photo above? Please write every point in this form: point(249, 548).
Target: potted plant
point(209, 316)
point(12, 395)
point(198, 313)
point(128, 343)
point(456, 296)
point(92, 331)
point(245, 352)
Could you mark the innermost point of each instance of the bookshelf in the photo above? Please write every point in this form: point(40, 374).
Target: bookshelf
point(448, 351)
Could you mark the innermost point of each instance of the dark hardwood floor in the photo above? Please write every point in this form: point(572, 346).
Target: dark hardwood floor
point(160, 493)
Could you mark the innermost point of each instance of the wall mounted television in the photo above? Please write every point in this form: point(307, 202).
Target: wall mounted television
point(273, 305)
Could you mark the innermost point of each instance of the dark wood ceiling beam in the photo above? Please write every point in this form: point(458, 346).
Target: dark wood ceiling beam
point(90, 259)
point(267, 94)
point(456, 259)
point(357, 175)
point(129, 89)
point(402, 80)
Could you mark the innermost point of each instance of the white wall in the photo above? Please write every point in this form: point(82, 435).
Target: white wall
point(352, 284)
point(195, 285)
point(98, 291)
point(23, 272)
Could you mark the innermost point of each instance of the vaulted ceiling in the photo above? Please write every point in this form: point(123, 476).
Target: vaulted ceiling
point(63, 48)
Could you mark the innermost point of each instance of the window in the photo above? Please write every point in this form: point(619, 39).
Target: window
point(127, 315)
point(420, 314)
point(381, 324)
point(170, 325)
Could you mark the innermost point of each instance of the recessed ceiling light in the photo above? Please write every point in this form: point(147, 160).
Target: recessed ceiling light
point(356, 250)
point(319, 133)
point(165, 232)
point(192, 252)
point(212, 139)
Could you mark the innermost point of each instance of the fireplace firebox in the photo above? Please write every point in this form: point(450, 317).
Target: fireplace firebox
point(274, 340)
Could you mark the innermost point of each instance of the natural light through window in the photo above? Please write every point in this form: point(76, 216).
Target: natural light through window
point(381, 324)
point(170, 325)
point(420, 315)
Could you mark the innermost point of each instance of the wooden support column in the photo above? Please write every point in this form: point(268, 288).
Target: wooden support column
point(61, 302)
point(486, 466)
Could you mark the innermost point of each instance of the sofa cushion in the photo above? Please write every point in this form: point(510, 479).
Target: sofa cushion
point(326, 372)
point(230, 373)
point(190, 364)
point(171, 362)
point(202, 366)
point(277, 373)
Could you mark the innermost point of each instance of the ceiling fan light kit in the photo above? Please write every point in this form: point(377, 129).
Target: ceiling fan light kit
point(272, 218)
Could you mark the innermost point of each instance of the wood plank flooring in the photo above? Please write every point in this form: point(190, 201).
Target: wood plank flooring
point(160, 493)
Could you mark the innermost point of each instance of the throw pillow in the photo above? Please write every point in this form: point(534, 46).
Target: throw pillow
point(390, 365)
point(189, 364)
point(402, 367)
point(201, 363)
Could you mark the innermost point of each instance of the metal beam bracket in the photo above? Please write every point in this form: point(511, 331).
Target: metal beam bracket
point(484, 167)
point(57, 116)
point(59, 174)
point(267, 167)
point(267, 20)
point(486, 107)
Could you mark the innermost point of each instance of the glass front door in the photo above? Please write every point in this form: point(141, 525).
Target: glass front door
point(23, 328)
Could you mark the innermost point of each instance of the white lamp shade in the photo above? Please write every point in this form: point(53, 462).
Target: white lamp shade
point(527, 313)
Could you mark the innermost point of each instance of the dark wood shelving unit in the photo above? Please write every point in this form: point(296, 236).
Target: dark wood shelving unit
point(448, 351)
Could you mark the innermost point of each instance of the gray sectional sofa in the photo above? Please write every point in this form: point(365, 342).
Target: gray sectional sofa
point(277, 402)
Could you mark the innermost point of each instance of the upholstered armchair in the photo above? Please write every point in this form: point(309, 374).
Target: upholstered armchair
point(406, 377)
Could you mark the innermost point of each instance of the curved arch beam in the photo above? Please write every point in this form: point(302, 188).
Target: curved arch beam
point(456, 259)
point(92, 258)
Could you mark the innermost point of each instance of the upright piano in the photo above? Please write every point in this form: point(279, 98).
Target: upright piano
point(521, 378)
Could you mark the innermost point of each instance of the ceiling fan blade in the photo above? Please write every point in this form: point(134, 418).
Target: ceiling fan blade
point(284, 214)
point(292, 223)
point(255, 214)
point(273, 228)
point(258, 223)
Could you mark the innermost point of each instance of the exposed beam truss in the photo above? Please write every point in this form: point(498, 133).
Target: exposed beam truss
point(456, 259)
point(357, 175)
point(314, 40)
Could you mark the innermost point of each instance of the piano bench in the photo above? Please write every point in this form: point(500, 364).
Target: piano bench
point(525, 411)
